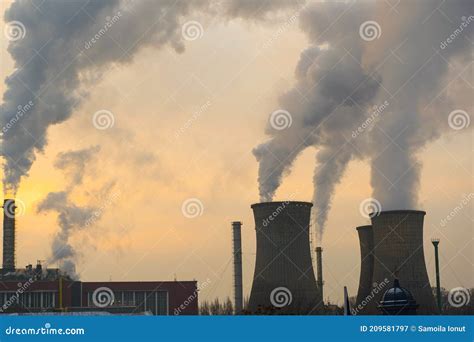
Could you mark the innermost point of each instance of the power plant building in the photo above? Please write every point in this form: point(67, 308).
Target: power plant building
point(149, 297)
point(38, 289)
point(284, 280)
point(397, 254)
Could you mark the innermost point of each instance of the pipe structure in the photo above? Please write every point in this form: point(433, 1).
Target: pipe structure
point(435, 243)
point(9, 208)
point(237, 254)
point(284, 281)
point(319, 270)
point(398, 253)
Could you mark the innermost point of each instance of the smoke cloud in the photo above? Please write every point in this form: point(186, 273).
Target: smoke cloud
point(71, 217)
point(64, 44)
point(349, 73)
point(68, 45)
point(345, 71)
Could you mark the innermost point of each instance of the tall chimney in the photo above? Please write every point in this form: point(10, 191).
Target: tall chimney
point(438, 284)
point(319, 259)
point(9, 235)
point(237, 253)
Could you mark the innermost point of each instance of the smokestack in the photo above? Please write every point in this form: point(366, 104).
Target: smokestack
point(435, 243)
point(284, 280)
point(398, 253)
point(366, 241)
point(319, 259)
point(9, 235)
point(237, 253)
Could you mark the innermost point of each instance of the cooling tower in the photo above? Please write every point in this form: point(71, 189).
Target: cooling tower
point(398, 253)
point(284, 279)
point(237, 254)
point(366, 242)
point(9, 235)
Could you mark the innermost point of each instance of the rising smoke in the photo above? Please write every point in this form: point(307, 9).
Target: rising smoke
point(341, 77)
point(65, 43)
point(68, 45)
point(71, 217)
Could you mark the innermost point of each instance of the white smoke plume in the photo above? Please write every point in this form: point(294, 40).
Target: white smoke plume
point(65, 42)
point(68, 45)
point(71, 217)
point(345, 73)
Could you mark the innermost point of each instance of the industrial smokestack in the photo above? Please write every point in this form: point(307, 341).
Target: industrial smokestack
point(237, 253)
point(319, 259)
point(366, 241)
point(9, 235)
point(398, 253)
point(284, 279)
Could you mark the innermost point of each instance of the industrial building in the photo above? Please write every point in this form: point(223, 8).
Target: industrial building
point(392, 248)
point(154, 298)
point(38, 289)
point(284, 280)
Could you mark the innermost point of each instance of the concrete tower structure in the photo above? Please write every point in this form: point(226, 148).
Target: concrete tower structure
point(366, 242)
point(398, 253)
point(284, 280)
point(9, 235)
point(237, 254)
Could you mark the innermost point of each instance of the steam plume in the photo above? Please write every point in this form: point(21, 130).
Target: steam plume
point(342, 76)
point(67, 45)
point(71, 217)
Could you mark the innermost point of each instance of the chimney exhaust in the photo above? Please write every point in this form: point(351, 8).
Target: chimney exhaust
point(237, 254)
point(9, 235)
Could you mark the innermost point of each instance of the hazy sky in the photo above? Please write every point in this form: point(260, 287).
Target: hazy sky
point(184, 127)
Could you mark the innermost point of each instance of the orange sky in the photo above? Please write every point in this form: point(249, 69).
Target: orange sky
point(144, 235)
